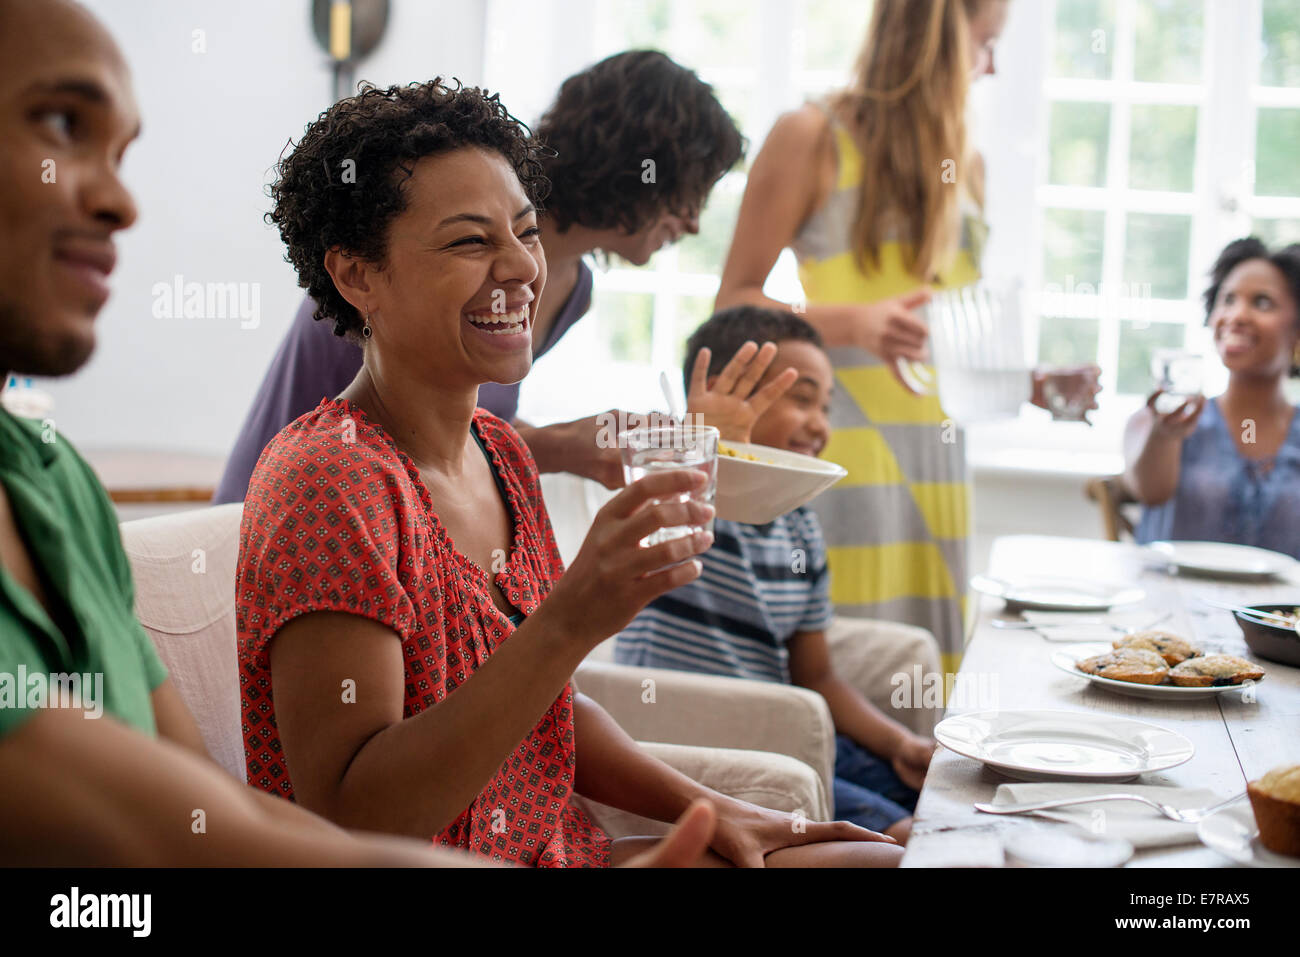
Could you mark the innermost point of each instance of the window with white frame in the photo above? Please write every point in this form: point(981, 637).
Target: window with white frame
point(1149, 167)
point(1155, 132)
point(762, 57)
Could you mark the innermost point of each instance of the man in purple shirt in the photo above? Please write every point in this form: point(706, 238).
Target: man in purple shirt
point(639, 142)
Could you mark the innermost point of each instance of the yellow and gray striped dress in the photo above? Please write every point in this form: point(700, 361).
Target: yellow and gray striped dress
point(897, 526)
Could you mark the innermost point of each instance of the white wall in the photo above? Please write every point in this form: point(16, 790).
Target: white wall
point(214, 125)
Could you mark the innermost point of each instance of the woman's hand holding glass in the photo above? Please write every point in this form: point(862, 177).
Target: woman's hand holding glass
point(613, 577)
point(1069, 393)
point(1179, 423)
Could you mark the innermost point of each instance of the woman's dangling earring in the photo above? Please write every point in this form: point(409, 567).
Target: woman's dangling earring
point(366, 331)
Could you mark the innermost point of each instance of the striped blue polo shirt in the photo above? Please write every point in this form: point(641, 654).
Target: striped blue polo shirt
point(761, 585)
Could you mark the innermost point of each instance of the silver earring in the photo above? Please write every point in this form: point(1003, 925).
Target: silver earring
point(366, 331)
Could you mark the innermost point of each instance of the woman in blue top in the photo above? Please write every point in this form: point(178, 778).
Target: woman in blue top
point(1228, 469)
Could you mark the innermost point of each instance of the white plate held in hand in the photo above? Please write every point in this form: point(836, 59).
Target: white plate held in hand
point(1063, 745)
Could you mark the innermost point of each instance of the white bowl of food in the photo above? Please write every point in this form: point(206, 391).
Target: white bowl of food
point(758, 484)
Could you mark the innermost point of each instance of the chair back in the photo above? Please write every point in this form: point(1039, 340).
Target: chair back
point(1111, 495)
point(184, 569)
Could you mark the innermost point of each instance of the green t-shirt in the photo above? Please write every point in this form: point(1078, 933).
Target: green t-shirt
point(101, 659)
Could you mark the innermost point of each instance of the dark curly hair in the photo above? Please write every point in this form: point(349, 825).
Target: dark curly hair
point(609, 119)
point(725, 332)
point(323, 201)
point(1286, 260)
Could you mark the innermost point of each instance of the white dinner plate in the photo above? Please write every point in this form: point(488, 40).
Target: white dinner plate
point(1220, 560)
point(1063, 745)
point(1041, 593)
point(1233, 833)
point(1066, 657)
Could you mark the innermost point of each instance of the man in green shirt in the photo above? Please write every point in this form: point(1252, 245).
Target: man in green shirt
point(100, 761)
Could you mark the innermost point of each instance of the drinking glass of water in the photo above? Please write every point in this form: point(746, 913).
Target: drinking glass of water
point(1068, 394)
point(1179, 373)
point(665, 448)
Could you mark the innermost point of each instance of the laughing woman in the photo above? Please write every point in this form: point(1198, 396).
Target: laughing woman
point(407, 631)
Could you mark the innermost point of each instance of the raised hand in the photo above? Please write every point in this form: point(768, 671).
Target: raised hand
point(729, 402)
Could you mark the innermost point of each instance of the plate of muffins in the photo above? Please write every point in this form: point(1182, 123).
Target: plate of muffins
point(1157, 664)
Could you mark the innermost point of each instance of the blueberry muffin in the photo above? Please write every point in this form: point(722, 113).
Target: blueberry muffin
point(1127, 664)
point(1170, 647)
point(1275, 799)
point(1214, 671)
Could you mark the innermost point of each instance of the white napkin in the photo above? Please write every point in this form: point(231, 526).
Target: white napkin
point(1140, 825)
point(1075, 627)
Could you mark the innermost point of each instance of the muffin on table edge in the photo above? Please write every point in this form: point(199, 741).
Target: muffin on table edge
point(1275, 799)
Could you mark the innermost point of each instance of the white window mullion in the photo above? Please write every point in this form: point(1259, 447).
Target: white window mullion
point(1226, 138)
point(1117, 161)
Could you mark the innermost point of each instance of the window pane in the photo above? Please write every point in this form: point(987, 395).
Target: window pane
point(692, 311)
point(1137, 342)
point(717, 33)
point(706, 252)
point(1275, 148)
point(1162, 151)
point(1281, 63)
point(738, 101)
point(1079, 134)
point(1156, 250)
point(833, 33)
point(1084, 39)
point(1168, 41)
point(626, 323)
point(1277, 232)
point(637, 24)
point(1072, 244)
point(1068, 342)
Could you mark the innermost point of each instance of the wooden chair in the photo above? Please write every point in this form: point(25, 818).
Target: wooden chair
point(1111, 495)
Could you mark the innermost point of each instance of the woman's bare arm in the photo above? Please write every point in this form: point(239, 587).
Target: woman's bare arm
point(1153, 448)
point(353, 757)
point(96, 792)
point(791, 177)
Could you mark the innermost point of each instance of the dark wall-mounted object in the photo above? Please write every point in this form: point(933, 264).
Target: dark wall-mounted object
point(362, 24)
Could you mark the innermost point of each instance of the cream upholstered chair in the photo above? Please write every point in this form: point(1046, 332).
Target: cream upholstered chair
point(184, 569)
point(693, 709)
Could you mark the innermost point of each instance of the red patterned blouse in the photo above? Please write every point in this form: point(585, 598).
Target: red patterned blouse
point(338, 519)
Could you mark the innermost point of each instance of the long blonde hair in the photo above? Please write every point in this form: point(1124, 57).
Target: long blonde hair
point(906, 107)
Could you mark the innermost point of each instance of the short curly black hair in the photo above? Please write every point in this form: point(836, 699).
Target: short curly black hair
point(725, 332)
point(1286, 260)
point(608, 120)
point(342, 184)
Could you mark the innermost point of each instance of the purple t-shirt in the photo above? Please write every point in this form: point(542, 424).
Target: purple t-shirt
point(313, 364)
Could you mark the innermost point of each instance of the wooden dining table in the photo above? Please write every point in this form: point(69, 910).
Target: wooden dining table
point(1238, 736)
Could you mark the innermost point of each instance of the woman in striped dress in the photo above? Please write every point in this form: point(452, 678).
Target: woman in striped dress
point(880, 198)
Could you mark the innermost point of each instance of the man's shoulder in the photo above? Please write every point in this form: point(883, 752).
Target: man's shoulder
point(63, 471)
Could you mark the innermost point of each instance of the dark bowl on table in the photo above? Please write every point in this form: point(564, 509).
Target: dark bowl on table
point(1274, 642)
